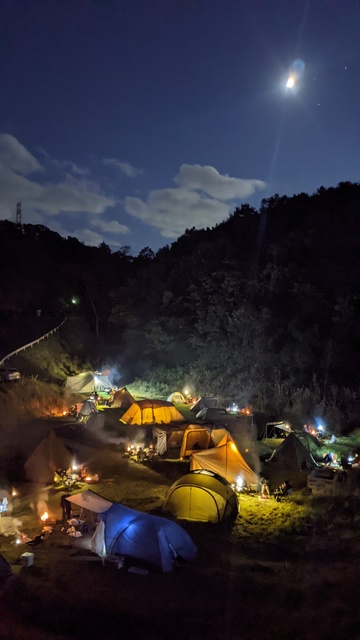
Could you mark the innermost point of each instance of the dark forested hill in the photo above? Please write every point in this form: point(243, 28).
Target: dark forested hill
point(264, 308)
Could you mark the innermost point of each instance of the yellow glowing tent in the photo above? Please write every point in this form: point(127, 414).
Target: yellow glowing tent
point(201, 496)
point(195, 437)
point(225, 460)
point(152, 412)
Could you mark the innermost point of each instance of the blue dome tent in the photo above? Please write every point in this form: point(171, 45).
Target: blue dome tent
point(155, 540)
point(123, 531)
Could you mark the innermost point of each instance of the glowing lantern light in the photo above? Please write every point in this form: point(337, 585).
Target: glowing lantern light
point(3, 505)
point(239, 484)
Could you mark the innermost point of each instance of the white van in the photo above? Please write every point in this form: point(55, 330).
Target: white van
point(9, 374)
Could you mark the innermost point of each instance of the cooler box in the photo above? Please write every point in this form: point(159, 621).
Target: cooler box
point(26, 559)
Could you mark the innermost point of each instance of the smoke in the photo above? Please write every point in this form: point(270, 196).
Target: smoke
point(112, 372)
point(40, 503)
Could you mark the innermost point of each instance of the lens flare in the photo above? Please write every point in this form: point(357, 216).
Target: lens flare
point(295, 74)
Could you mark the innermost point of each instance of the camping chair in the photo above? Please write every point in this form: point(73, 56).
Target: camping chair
point(283, 493)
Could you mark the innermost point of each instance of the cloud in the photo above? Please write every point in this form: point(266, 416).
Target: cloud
point(15, 157)
point(68, 194)
point(111, 226)
point(207, 179)
point(174, 210)
point(125, 167)
point(203, 198)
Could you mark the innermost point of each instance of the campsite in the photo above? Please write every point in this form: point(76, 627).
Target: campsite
point(253, 572)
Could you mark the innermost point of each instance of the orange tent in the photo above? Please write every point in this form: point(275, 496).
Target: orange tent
point(226, 461)
point(152, 412)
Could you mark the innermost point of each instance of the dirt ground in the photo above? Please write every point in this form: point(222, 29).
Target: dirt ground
point(284, 571)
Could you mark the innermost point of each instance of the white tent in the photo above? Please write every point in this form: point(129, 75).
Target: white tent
point(176, 397)
point(88, 382)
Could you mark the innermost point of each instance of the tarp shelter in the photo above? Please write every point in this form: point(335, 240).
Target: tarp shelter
point(201, 496)
point(226, 461)
point(152, 412)
point(275, 430)
point(48, 456)
point(204, 402)
point(176, 397)
point(5, 569)
point(88, 382)
point(122, 399)
point(292, 455)
point(91, 501)
point(156, 541)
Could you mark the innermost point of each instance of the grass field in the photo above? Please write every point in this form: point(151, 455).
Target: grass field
point(281, 571)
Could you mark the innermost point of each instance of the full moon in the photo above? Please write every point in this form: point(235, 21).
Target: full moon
point(290, 82)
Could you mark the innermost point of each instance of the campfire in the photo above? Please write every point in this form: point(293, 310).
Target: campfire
point(45, 516)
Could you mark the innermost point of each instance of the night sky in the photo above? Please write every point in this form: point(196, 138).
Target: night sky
point(128, 121)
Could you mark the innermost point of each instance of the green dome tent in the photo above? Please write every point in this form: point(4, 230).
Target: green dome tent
point(202, 496)
point(292, 455)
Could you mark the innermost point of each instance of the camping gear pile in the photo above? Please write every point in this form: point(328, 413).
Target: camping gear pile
point(81, 411)
point(138, 453)
point(70, 477)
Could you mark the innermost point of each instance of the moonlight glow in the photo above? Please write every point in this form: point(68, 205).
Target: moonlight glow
point(290, 82)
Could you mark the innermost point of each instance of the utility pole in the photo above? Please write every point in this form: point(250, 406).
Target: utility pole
point(18, 213)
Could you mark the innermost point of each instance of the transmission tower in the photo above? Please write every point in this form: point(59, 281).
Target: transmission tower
point(18, 213)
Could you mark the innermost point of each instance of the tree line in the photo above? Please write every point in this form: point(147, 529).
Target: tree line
point(262, 309)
